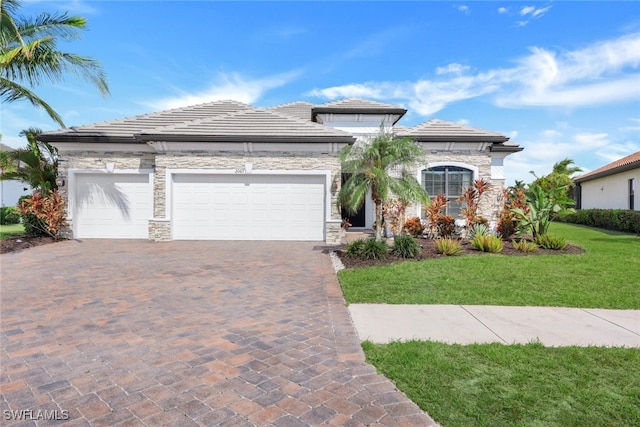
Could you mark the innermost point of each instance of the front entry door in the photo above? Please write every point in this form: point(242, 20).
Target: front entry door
point(357, 219)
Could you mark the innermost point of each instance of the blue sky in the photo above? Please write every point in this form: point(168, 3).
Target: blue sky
point(561, 78)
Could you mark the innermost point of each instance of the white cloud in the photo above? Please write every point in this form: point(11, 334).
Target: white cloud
point(464, 9)
point(503, 10)
point(453, 68)
point(525, 10)
point(602, 73)
point(228, 86)
point(539, 12)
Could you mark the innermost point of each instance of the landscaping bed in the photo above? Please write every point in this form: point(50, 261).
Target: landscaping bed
point(16, 243)
point(429, 251)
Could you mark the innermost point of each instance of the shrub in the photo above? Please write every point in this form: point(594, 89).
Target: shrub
point(405, 246)
point(491, 244)
point(49, 212)
point(448, 247)
point(9, 215)
point(551, 241)
point(30, 220)
point(367, 249)
point(413, 226)
point(446, 226)
point(526, 246)
point(507, 225)
point(478, 230)
point(627, 221)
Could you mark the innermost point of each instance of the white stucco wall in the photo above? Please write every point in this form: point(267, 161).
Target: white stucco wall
point(611, 192)
point(11, 191)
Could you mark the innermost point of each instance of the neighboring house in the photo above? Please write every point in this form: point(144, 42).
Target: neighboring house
point(612, 186)
point(227, 170)
point(12, 190)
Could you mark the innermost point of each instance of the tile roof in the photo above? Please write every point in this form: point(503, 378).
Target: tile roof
point(440, 130)
point(254, 124)
point(359, 104)
point(6, 147)
point(125, 129)
point(632, 161)
point(298, 109)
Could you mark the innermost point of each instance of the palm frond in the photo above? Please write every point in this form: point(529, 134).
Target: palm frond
point(11, 92)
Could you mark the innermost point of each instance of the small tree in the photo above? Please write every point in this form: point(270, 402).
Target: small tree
point(383, 167)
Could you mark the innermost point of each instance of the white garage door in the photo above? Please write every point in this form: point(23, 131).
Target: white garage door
point(248, 207)
point(112, 206)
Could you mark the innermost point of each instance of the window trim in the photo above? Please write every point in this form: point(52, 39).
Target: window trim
point(474, 169)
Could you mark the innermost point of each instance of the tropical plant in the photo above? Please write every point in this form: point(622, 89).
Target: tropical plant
point(367, 249)
point(471, 198)
point(434, 212)
point(405, 246)
point(525, 246)
point(491, 244)
point(541, 206)
point(37, 164)
point(382, 166)
point(29, 55)
point(49, 211)
point(560, 176)
point(551, 241)
point(448, 247)
point(446, 226)
point(514, 197)
point(413, 226)
point(478, 230)
point(393, 213)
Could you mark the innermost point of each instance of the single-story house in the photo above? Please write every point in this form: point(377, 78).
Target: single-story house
point(12, 189)
point(611, 186)
point(227, 170)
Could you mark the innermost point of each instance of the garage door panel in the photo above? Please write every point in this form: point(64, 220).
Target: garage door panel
point(112, 206)
point(250, 207)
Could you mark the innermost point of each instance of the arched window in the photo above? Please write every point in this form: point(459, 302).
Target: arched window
point(450, 181)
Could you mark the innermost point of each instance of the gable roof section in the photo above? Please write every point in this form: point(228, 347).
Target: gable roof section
point(357, 106)
point(124, 130)
point(6, 147)
point(249, 125)
point(632, 161)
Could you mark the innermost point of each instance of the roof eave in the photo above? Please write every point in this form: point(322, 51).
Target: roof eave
point(244, 138)
point(623, 168)
point(506, 148)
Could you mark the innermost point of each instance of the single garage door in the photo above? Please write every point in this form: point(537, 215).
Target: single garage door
point(248, 207)
point(112, 206)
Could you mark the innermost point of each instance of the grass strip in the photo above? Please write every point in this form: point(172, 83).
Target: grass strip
point(518, 385)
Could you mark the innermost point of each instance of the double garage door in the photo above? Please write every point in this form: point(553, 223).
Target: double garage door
point(203, 206)
point(248, 207)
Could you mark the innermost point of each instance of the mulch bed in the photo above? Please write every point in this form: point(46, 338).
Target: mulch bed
point(429, 251)
point(17, 243)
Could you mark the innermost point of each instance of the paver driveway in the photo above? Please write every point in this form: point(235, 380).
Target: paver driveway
point(185, 333)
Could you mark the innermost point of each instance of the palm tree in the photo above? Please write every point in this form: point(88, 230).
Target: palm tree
point(37, 164)
point(29, 55)
point(384, 167)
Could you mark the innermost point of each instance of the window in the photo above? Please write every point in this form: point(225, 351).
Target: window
point(631, 193)
point(450, 181)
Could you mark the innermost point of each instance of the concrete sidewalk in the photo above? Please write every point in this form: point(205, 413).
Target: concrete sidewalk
point(467, 324)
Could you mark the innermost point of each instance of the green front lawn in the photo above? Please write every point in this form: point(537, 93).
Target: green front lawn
point(518, 385)
point(9, 231)
point(607, 275)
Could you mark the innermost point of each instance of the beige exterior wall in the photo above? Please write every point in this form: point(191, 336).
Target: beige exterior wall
point(611, 192)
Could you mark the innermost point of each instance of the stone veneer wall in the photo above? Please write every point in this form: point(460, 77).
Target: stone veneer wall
point(160, 226)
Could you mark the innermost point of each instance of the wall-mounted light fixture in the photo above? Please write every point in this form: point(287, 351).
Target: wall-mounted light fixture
point(110, 166)
point(248, 167)
point(60, 181)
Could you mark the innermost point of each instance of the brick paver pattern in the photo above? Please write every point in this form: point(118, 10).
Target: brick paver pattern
point(128, 333)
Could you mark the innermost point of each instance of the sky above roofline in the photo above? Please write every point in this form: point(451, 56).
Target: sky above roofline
point(529, 70)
